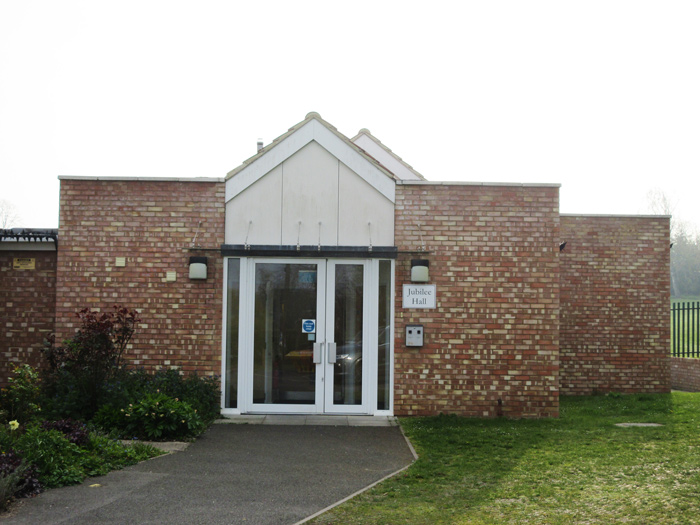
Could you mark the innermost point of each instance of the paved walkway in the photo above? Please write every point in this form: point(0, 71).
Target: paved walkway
point(234, 473)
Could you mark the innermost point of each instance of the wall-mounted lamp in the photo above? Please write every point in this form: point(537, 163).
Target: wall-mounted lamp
point(198, 267)
point(419, 270)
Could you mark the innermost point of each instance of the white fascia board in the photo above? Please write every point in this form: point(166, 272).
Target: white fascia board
point(356, 162)
point(388, 158)
point(269, 161)
point(313, 130)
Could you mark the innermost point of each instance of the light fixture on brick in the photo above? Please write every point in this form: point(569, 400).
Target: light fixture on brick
point(198, 267)
point(419, 270)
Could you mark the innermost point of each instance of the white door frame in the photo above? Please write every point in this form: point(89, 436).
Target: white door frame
point(246, 351)
point(323, 403)
point(368, 326)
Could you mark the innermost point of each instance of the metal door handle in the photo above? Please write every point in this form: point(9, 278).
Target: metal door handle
point(331, 353)
point(318, 348)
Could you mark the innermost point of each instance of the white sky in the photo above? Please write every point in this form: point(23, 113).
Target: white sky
point(600, 96)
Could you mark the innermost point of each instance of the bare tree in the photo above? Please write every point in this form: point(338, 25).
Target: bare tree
point(659, 203)
point(9, 217)
point(685, 239)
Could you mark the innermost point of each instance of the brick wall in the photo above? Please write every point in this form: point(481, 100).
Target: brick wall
point(151, 224)
point(685, 374)
point(615, 296)
point(27, 302)
point(495, 332)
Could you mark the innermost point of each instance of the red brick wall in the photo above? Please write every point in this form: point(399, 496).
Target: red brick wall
point(615, 297)
point(495, 332)
point(151, 224)
point(27, 303)
point(685, 374)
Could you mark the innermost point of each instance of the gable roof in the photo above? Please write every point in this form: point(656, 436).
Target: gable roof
point(312, 128)
point(374, 147)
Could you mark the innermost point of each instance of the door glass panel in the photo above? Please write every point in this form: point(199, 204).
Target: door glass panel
point(347, 371)
point(233, 293)
point(283, 367)
point(384, 337)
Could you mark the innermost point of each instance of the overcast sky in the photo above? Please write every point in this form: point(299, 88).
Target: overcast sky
point(600, 96)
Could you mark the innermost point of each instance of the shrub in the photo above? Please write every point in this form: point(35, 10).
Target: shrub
point(57, 460)
point(110, 419)
point(20, 400)
point(127, 386)
point(131, 388)
point(159, 416)
point(63, 396)
point(74, 431)
point(156, 416)
point(17, 478)
point(99, 344)
point(201, 392)
point(80, 368)
point(103, 454)
point(9, 482)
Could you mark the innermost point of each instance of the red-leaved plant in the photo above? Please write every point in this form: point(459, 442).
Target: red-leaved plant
point(100, 341)
point(95, 353)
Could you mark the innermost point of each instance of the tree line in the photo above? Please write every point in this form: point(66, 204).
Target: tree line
point(685, 247)
point(685, 262)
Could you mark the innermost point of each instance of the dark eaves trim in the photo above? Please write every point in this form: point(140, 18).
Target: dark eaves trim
point(358, 252)
point(29, 235)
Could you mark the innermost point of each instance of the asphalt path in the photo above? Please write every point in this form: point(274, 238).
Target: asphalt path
point(232, 474)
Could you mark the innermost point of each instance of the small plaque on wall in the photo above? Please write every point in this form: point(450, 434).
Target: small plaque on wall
point(24, 264)
point(419, 296)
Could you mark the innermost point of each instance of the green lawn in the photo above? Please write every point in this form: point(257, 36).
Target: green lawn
point(579, 468)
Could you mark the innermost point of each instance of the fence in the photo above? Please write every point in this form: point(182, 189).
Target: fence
point(685, 329)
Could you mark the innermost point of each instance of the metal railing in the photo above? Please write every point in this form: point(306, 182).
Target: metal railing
point(685, 329)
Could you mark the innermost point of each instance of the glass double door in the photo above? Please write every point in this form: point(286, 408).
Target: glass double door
point(310, 336)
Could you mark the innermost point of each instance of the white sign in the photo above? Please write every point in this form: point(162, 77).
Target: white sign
point(308, 326)
point(419, 295)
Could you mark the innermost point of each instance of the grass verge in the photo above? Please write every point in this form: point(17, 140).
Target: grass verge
point(580, 468)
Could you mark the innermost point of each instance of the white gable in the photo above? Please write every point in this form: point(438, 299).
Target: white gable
point(388, 158)
point(313, 130)
point(304, 191)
